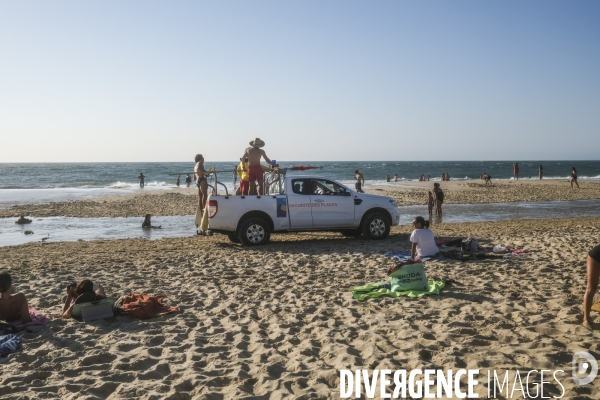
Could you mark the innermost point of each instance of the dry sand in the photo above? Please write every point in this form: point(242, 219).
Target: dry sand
point(183, 202)
point(277, 322)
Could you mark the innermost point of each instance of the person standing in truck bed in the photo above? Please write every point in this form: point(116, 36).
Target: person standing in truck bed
point(255, 171)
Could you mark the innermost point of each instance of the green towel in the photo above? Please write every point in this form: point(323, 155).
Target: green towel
point(371, 291)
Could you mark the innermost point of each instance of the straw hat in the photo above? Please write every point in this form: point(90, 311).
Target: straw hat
point(257, 143)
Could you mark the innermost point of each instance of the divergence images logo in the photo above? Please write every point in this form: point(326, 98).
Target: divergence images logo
point(587, 364)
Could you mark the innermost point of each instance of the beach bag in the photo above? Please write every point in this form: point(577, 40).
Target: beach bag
point(409, 277)
point(469, 245)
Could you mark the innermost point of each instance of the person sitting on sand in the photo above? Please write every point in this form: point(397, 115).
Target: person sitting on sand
point(84, 292)
point(13, 306)
point(22, 220)
point(422, 239)
point(593, 275)
point(148, 224)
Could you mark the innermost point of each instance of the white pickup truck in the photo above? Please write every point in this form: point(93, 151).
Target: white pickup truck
point(301, 203)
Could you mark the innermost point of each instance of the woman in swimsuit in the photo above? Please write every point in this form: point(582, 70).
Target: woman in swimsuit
point(574, 177)
point(200, 179)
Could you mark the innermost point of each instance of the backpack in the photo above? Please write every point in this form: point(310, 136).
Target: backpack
point(469, 245)
point(409, 277)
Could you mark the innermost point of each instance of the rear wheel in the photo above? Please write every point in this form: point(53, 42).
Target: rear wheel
point(254, 232)
point(233, 237)
point(376, 226)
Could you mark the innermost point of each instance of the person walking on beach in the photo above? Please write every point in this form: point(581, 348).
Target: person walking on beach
point(360, 181)
point(540, 172)
point(593, 275)
point(141, 178)
point(487, 178)
point(200, 179)
point(516, 171)
point(255, 171)
point(188, 180)
point(178, 181)
point(439, 198)
point(574, 177)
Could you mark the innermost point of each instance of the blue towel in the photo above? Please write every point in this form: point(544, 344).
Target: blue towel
point(9, 344)
point(405, 256)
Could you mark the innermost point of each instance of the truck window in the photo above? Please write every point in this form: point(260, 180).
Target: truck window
point(298, 186)
point(325, 187)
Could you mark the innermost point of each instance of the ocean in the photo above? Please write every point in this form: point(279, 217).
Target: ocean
point(45, 182)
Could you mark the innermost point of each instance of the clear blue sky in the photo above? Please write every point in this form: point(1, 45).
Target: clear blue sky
point(317, 80)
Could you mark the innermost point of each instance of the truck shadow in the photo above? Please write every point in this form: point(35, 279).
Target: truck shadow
point(317, 243)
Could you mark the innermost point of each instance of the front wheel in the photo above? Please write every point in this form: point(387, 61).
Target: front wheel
point(254, 232)
point(376, 226)
point(233, 237)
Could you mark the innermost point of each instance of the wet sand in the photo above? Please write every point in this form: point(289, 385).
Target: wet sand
point(177, 202)
point(277, 322)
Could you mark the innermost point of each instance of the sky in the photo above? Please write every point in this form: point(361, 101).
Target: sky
point(316, 80)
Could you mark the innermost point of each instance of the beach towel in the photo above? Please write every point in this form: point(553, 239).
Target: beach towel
point(201, 220)
point(37, 319)
point(374, 290)
point(9, 344)
point(146, 306)
point(405, 256)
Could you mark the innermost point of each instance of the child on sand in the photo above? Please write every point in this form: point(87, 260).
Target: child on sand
point(13, 306)
point(430, 203)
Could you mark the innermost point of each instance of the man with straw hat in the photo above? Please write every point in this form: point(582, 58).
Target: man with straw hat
point(255, 171)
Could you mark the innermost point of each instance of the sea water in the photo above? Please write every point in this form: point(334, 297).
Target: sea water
point(46, 182)
point(53, 229)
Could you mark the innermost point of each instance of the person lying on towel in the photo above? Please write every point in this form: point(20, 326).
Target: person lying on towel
point(84, 292)
point(13, 306)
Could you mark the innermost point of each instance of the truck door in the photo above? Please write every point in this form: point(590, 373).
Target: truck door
point(330, 204)
point(298, 203)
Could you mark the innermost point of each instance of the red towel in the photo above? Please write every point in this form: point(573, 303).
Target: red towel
point(146, 306)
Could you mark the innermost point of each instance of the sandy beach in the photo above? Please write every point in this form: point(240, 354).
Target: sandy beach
point(183, 202)
point(278, 322)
